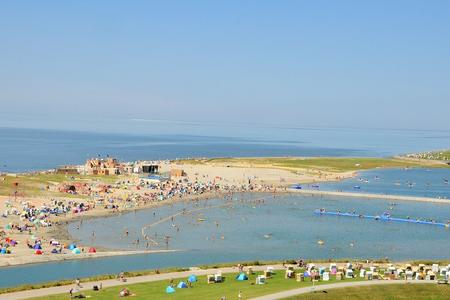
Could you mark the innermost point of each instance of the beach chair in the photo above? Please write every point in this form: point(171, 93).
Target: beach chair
point(435, 268)
point(210, 278)
point(270, 270)
point(250, 271)
point(339, 276)
point(369, 275)
point(261, 279)
point(349, 273)
point(289, 274)
point(218, 277)
point(326, 276)
point(362, 273)
point(299, 277)
point(443, 271)
point(409, 275)
point(430, 276)
point(321, 270)
point(376, 275)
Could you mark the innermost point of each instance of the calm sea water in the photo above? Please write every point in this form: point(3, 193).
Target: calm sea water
point(414, 182)
point(34, 149)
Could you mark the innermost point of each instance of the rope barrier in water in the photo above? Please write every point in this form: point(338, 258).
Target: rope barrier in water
point(383, 217)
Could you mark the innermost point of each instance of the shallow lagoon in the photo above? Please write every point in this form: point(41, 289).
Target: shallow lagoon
point(283, 227)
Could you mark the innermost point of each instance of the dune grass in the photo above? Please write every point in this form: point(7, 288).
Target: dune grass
point(330, 164)
point(201, 290)
point(382, 292)
point(35, 184)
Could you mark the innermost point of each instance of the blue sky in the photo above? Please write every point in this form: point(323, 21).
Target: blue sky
point(294, 63)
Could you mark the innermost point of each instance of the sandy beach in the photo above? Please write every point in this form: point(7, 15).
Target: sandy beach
point(216, 180)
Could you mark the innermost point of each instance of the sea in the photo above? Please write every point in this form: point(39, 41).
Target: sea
point(24, 150)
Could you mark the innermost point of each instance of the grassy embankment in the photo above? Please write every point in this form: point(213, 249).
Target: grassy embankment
point(324, 164)
point(394, 292)
point(201, 290)
point(35, 184)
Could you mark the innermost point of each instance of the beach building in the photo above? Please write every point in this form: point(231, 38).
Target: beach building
point(73, 170)
point(100, 166)
point(150, 169)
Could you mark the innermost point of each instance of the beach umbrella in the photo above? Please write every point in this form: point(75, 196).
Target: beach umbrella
point(76, 251)
point(170, 290)
point(192, 278)
point(182, 285)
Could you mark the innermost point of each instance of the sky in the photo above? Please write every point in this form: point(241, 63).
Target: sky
point(374, 64)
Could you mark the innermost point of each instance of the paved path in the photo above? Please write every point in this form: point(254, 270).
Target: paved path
point(323, 287)
point(115, 282)
point(371, 196)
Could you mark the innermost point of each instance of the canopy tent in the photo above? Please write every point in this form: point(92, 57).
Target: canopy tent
point(170, 290)
point(192, 278)
point(182, 285)
point(241, 277)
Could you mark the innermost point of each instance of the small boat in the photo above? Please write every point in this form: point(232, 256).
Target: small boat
point(357, 187)
point(320, 242)
point(445, 180)
point(200, 220)
point(315, 186)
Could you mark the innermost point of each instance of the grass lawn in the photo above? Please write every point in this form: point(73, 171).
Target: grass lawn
point(200, 290)
point(391, 292)
point(35, 184)
point(331, 164)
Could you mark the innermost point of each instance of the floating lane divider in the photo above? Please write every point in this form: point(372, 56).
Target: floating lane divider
point(383, 217)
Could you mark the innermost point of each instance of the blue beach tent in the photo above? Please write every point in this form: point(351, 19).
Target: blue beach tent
point(37, 247)
point(241, 277)
point(72, 246)
point(76, 251)
point(192, 278)
point(170, 290)
point(182, 285)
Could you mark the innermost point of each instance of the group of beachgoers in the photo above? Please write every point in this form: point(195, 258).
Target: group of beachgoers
point(125, 194)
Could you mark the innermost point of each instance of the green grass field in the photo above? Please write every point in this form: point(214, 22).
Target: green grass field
point(201, 290)
point(332, 164)
point(390, 292)
point(35, 184)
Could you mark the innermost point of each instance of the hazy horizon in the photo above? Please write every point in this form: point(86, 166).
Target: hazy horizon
point(384, 64)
